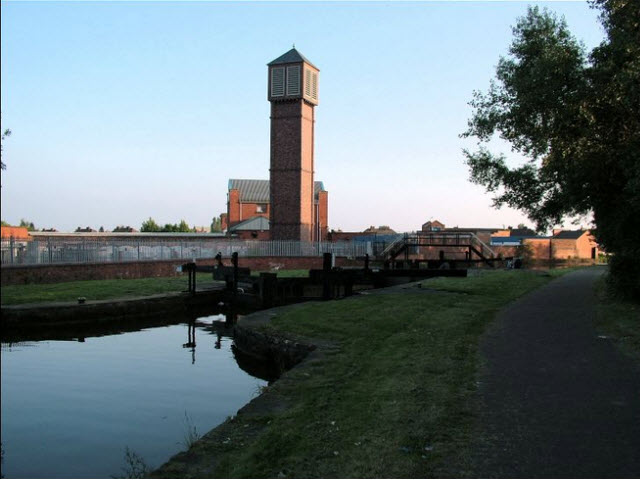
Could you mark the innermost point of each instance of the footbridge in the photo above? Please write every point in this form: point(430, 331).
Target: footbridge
point(421, 245)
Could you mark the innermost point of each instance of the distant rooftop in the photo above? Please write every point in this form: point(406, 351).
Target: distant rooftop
point(257, 191)
point(254, 223)
point(292, 56)
point(569, 234)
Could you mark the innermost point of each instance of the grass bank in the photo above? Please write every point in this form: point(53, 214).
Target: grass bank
point(393, 399)
point(93, 289)
point(619, 320)
point(108, 289)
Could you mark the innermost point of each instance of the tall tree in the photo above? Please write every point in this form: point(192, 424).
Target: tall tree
point(29, 225)
point(216, 224)
point(183, 226)
point(576, 118)
point(150, 225)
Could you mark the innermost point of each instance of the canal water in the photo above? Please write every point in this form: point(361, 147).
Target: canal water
point(72, 408)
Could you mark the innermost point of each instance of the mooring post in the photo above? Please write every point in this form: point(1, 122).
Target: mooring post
point(191, 270)
point(366, 262)
point(268, 285)
point(348, 284)
point(234, 261)
point(326, 272)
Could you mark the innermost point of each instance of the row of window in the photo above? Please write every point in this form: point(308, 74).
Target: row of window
point(289, 78)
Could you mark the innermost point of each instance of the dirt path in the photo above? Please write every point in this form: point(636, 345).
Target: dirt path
point(557, 400)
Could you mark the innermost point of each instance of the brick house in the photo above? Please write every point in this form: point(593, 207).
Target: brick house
point(255, 228)
point(573, 244)
point(432, 226)
point(250, 199)
point(562, 245)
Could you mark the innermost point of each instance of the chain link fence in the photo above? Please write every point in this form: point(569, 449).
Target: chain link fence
point(108, 250)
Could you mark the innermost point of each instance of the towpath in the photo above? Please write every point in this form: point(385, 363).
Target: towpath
point(557, 399)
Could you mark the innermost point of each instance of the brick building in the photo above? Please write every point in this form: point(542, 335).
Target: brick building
point(561, 245)
point(250, 199)
point(295, 205)
point(293, 93)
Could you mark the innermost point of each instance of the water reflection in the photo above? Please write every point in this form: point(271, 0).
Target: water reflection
point(191, 343)
point(73, 400)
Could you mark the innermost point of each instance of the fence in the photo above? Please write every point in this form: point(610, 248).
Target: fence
point(96, 250)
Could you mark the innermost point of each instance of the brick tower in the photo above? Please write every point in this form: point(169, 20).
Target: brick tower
point(293, 93)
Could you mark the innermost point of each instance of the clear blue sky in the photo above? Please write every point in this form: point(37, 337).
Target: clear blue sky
point(121, 111)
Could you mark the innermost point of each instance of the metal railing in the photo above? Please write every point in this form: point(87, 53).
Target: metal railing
point(100, 250)
point(440, 239)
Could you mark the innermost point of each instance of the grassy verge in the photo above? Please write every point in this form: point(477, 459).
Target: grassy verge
point(395, 399)
point(108, 289)
point(94, 289)
point(619, 320)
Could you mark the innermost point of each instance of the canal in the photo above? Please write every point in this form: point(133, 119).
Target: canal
point(73, 408)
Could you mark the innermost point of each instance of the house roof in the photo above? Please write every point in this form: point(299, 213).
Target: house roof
point(522, 232)
point(292, 56)
point(569, 234)
point(473, 229)
point(17, 233)
point(254, 223)
point(433, 222)
point(258, 190)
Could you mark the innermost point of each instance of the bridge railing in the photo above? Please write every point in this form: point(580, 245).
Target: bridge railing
point(438, 239)
point(109, 250)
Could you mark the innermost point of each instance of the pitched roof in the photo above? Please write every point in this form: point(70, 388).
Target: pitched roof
point(522, 232)
point(569, 234)
point(258, 190)
point(292, 56)
point(254, 223)
point(17, 233)
point(251, 190)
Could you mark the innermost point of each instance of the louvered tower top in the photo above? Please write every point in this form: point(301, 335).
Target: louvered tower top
point(292, 76)
point(292, 56)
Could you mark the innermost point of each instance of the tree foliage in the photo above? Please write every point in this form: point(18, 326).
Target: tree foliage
point(123, 229)
point(150, 225)
point(29, 225)
point(575, 116)
point(216, 224)
point(5, 133)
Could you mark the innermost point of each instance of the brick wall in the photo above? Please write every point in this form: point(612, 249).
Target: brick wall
point(233, 207)
point(540, 248)
point(19, 274)
point(323, 214)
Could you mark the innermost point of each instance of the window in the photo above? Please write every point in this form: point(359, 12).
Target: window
point(307, 82)
point(314, 86)
point(261, 208)
point(293, 80)
point(277, 82)
point(310, 84)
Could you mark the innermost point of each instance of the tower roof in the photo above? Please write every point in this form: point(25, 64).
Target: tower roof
point(292, 56)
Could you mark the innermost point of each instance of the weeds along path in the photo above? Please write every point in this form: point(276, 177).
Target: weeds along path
point(558, 399)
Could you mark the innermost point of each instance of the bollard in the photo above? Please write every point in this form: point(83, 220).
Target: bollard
point(268, 287)
point(234, 261)
point(326, 272)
